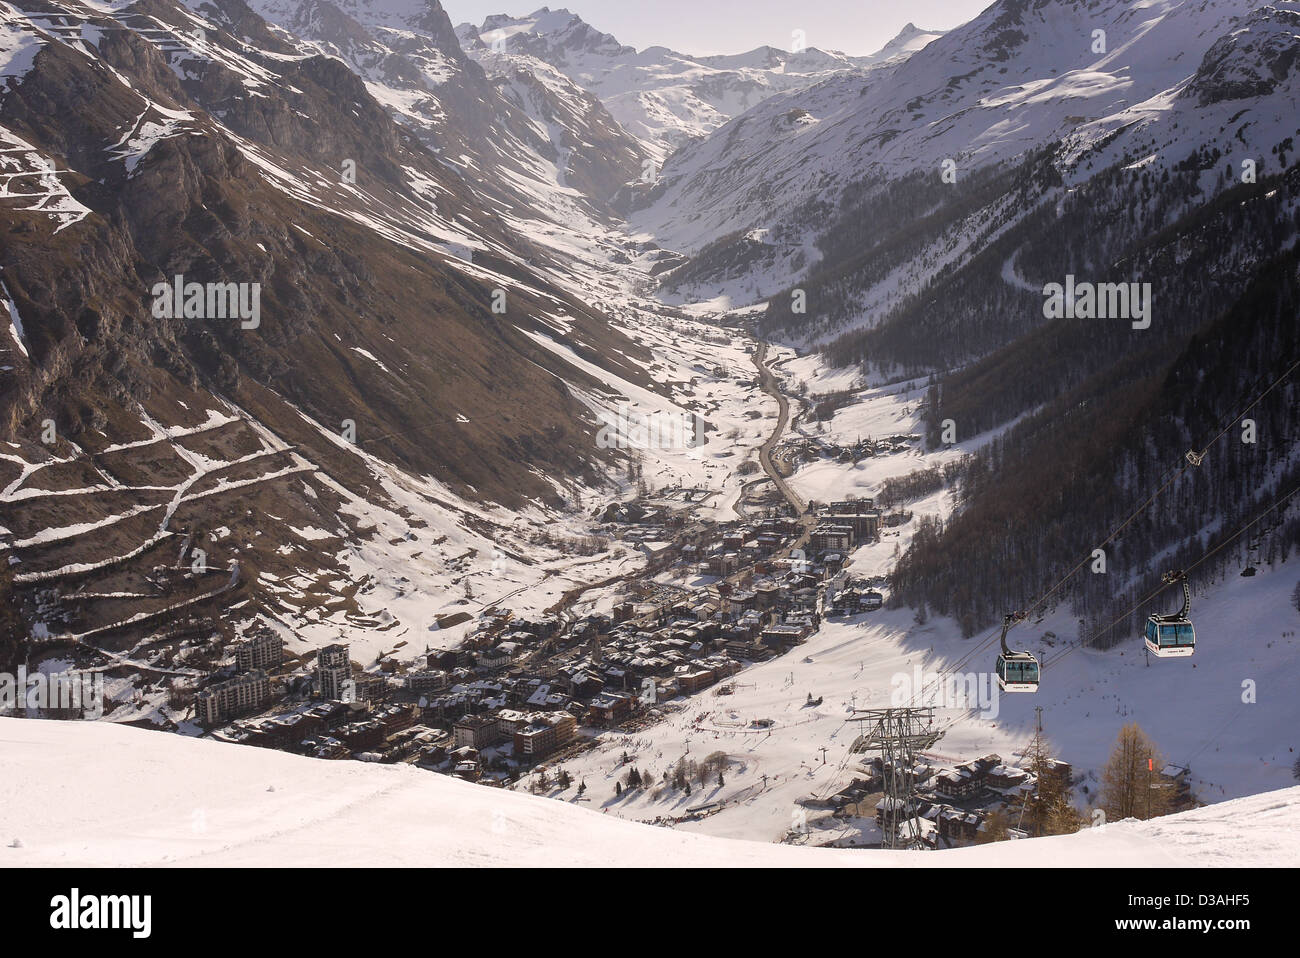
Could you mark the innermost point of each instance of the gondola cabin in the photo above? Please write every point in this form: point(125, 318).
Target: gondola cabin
point(1170, 638)
point(1017, 672)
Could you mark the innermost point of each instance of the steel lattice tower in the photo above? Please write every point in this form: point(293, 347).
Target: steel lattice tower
point(897, 734)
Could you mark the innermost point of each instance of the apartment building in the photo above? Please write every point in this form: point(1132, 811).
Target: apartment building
point(225, 700)
point(259, 652)
point(333, 670)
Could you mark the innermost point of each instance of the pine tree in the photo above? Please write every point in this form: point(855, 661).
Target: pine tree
point(679, 776)
point(1047, 810)
point(1129, 776)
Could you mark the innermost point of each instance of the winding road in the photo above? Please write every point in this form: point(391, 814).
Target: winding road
point(770, 384)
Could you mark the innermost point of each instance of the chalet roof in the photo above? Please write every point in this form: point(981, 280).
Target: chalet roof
point(924, 827)
point(543, 696)
point(1007, 771)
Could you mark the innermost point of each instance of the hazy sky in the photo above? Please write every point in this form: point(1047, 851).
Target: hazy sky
point(734, 26)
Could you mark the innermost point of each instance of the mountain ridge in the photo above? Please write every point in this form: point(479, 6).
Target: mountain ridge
point(665, 98)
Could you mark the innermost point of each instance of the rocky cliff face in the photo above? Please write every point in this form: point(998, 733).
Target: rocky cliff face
point(1254, 60)
point(514, 146)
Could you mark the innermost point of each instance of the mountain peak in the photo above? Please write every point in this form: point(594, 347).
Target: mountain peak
point(548, 34)
point(908, 40)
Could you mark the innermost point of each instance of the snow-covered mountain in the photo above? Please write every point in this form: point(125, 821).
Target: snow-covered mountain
point(527, 140)
point(916, 213)
point(399, 428)
point(1148, 82)
point(911, 220)
point(1238, 103)
point(910, 39)
point(464, 255)
point(663, 97)
point(202, 803)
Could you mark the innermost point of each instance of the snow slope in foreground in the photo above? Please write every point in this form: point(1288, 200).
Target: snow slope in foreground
point(103, 795)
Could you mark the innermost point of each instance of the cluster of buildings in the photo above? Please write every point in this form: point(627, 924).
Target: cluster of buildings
point(729, 549)
point(249, 688)
point(848, 596)
point(952, 804)
point(518, 689)
point(532, 736)
point(812, 448)
point(332, 729)
point(844, 525)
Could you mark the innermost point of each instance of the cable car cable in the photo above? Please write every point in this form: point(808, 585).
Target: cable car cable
point(1189, 464)
point(1052, 663)
point(1193, 459)
point(1241, 529)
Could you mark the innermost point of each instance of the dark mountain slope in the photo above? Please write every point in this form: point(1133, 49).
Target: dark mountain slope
point(137, 152)
point(1051, 489)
